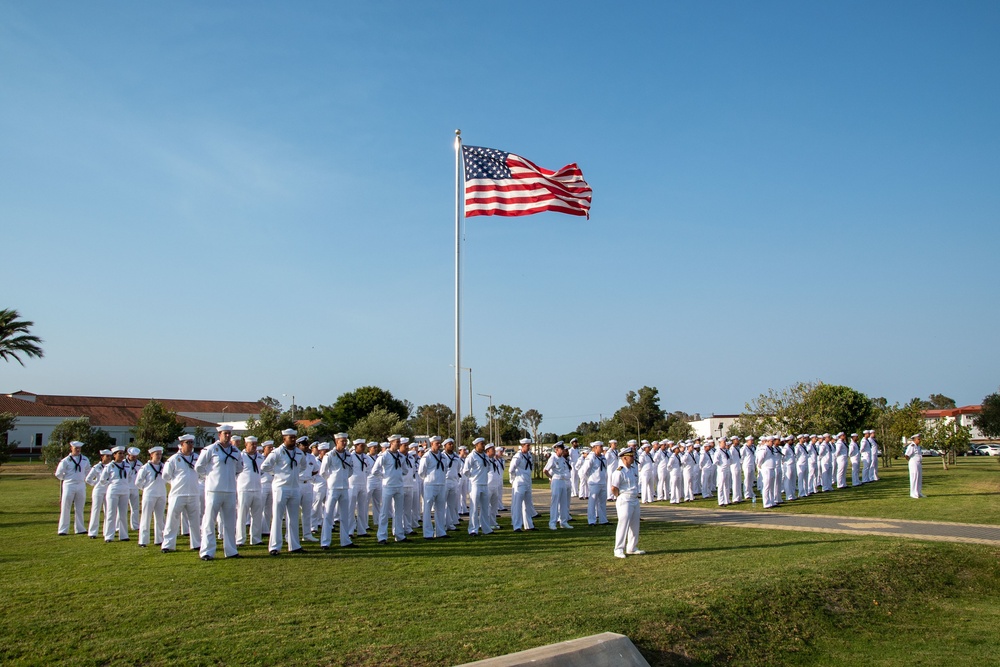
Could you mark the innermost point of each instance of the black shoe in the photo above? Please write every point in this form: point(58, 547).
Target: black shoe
point(166, 551)
point(473, 534)
point(428, 538)
point(142, 546)
point(531, 528)
point(383, 542)
point(274, 552)
point(256, 544)
point(265, 534)
point(93, 537)
point(297, 551)
point(234, 556)
point(402, 540)
point(326, 548)
point(207, 558)
point(124, 539)
point(352, 545)
point(517, 530)
point(64, 533)
point(445, 536)
point(591, 524)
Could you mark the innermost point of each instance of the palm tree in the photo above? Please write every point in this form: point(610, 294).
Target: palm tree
point(15, 339)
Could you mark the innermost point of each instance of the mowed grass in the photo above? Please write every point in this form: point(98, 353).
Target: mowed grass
point(968, 492)
point(703, 595)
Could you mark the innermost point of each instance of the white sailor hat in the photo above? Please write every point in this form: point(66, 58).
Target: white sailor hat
point(341, 436)
point(462, 447)
point(289, 431)
point(646, 445)
point(447, 440)
point(572, 440)
point(749, 437)
point(394, 436)
point(490, 445)
point(315, 444)
point(558, 442)
point(75, 443)
point(841, 434)
point(435, 438)
point(559, 445)
point(854, 435)
point(267, 443)
point(630, 443)
point(302, 438)
point(187, 437)
point(478, 440)
point(612, 442)
point(105, 452)
point(134, 451)
point(250, 438)
point(596, 443)
point(628, 451)
point(915, 435)
point(525, 441)
point(360, 441)
point(224, 427)
point(236, 438)
point(118, 448)
point(323, 446)
point(404, 441)
point(155, 449)
point(373, 444)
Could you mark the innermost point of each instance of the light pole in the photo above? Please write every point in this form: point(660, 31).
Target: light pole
point(489, 396)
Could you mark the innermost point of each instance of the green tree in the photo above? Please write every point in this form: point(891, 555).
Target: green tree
point(832, 408)
point(270, 424)
point(436, 418)
point(93, 439)
point(15, 338)
point(7, 422)
point(354, 405)
point(988, 421)
point(378, 424)
point(531, 420)
point(679, 430)
point(156, 426)
point(803, 408)
point(948, 436)
point(894, 424)
point(939, 402)
point(506, 422)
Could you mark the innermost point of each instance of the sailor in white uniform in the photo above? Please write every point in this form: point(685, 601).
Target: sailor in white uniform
point(595, 471)
point(433, 470)
point(374, 487)
point(287, 468)
point(674, 475)
point(574, 459)
point(154, 497)
point(357, 512)
point(266, 498)
point(219, 464)
point(611, 459)
point(132, 463)
point(453, 483)
point(559, 470)
point(338, 466)
point(625, 488)
point(647, 474)
point(98, 493)
point(390, 468)
point(521, 467)
point(914, 457)
point(310, 464)
point(249, 496)
point(115, 475)
point(477, 470)
point(854, 454)
point(72, 472)
point(184, 498)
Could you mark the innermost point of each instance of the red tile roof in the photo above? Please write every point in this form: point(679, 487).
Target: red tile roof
point(953, 412)
point(173, 404)
point(27, 408)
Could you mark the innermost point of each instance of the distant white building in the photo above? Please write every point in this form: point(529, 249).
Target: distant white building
point(716, 426)
point(38, 414)
point(963, 415)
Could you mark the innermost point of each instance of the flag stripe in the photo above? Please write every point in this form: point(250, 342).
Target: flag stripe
point(499, 183)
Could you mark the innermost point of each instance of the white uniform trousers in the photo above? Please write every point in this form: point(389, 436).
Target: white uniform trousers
point(115, 517)
point(663, 486)
point(866, 469)
point(375, 500)
point(647, 488)
point(153, 508)
point(520, 506)
point(284, 508)
point(219, 505)
point(855, 469)
point(840, 471)
point(74, 495)
point(357, 510)
point(583, 488)
point(812, 484)
point(96, 506)
point(134, 508)
point(338, 505)
point(249, 507)
point(802, 476)
point(874, 469)
point(392, 506)
point(479, 509)
point(305, 511)
point(464, 495)
point(451, 503)
point(597, 506)
point(826, 474)
point(574, 482)
point(736, 477)
point(559, 503)
point(409, 507)
point(916, 478)
point(493, 505)
point(267, 503)
point(707, 487)
point(688, 475)
point(627, 532)
point(318, 506)
point(724, 486)
point(188, 507)
point(788, 479)
point(435, 499)
point(749, 474)
point(767, 480)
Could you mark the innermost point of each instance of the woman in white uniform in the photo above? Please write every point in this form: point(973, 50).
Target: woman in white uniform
point(915, 459)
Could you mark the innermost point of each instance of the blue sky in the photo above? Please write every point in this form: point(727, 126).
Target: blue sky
point(227, 200)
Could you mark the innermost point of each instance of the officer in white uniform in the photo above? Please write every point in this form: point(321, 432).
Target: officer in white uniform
point(559, 470)
point(249, 497)
point(338, 466)
point(647, 474)
point(433, 470)
point(184, 498)
point(854, 454)
point(453, 483)
point(611, 459)
point(72, 472)
point(477, 470)
point(133, 464)
point(154, 497)
point(374, 487)
point(520, 469)
point(115, 476)
point(97, 495)
point(357, 511)
point(595, 471)
point(219, 464)
point(724, 481)
point(390, 468)
point(574, 459)
point(287, 468)
point(914, 457)
point(310, 465)
point(266, 499)
point(625, 488)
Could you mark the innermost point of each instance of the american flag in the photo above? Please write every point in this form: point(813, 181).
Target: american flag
point(499, 183)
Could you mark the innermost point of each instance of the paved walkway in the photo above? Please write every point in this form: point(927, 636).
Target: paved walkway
point(941, 531)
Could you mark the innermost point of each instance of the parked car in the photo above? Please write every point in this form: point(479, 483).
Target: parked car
point(972, 451)
point(929, 452)
point(989, 450)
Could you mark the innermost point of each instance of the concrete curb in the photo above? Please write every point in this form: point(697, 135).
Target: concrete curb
point(607, 649)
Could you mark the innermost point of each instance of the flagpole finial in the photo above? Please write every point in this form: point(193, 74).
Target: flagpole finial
point(458, 133)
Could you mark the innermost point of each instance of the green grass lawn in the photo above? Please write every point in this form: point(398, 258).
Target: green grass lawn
point(968, 492)
point(703, 595)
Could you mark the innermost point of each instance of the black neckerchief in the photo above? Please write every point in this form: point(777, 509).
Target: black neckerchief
point(77, 462)
point(344, 462)
point(600, 458)
point(396, 457)
point(527, 461)
point(290, 453)
point(156, 471)
point(190, 463)
point(451, 459)
point(438, 460)
point(253, 462)
point(121, 470)
point(227, 451)
point(361, 460)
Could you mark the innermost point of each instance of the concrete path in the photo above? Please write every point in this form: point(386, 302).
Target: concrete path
point(940, 531)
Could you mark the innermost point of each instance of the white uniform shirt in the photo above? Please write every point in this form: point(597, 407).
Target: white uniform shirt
point(626, 480)
point(477, 468)
point(595, 469)
point(179, 471)
point(94, 476)
point(150, 480)
point(248, 481)
point(287, 467)
point(454, 464)
point(73, 469)
point(219, 466)
point(115, 475)
point(390, 466)
point(558, 467)
point(434, 468)
point(362, 468)
point(520, 469)
point(913, 452)
point(337, 469)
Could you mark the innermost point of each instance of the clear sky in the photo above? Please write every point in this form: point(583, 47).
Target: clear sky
point(231, 200)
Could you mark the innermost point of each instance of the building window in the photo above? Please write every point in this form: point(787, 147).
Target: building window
point(38, 440)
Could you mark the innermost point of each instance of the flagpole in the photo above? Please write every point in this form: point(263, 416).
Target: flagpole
point(459, 208)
